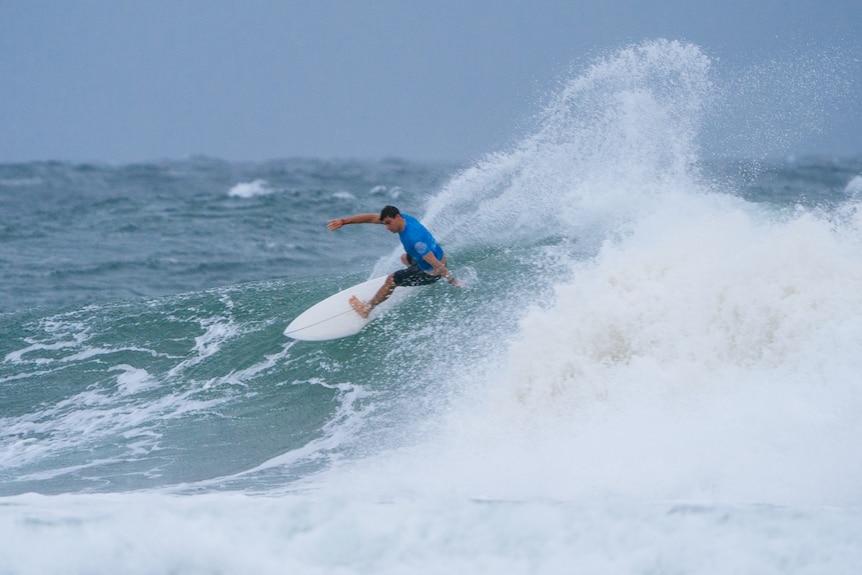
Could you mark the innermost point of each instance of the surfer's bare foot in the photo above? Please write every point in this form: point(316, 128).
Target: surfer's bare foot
point(360, 307)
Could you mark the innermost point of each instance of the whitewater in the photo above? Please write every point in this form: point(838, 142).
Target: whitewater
point(652, 367)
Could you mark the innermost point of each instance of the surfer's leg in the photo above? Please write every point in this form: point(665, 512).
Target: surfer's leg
point(364, 308)
point(384, 292)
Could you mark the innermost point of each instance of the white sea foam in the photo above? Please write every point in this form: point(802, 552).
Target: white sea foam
point(701, 348)
point(250, 189)
point(711, 356)
point(133, 380)
point(232, 533)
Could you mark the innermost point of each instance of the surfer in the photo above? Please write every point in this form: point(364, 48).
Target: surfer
point(424, 258)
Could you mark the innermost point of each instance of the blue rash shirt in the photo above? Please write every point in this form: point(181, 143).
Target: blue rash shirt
point(418, 242)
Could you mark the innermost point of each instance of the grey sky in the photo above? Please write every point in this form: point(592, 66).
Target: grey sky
point(122, 81)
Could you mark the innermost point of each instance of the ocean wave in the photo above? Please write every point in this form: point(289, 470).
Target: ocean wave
point(251, 189)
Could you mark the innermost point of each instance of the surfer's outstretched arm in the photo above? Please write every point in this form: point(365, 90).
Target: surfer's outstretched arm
point(357, 219)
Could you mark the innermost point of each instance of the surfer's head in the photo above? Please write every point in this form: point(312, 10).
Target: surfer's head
point(389, 212)
point(391, 218)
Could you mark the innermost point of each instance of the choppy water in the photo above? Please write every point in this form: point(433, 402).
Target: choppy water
point(653, 366)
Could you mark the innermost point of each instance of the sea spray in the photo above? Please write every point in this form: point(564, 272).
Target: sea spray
point(620, 132)
point(674, 341)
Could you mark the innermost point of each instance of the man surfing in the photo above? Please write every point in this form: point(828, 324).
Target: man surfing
point(424, 258)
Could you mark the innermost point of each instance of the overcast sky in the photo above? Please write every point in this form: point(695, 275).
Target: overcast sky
point(123, 81)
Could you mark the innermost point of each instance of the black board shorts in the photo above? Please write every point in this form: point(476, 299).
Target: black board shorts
point(413, 276)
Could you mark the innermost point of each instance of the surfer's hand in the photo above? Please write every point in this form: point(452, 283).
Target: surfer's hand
point(452, 281)
point(334, 224)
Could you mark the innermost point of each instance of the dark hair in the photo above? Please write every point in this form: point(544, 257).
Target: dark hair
point(389, 212)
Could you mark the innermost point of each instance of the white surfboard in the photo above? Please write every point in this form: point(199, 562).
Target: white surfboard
point(333, 317)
